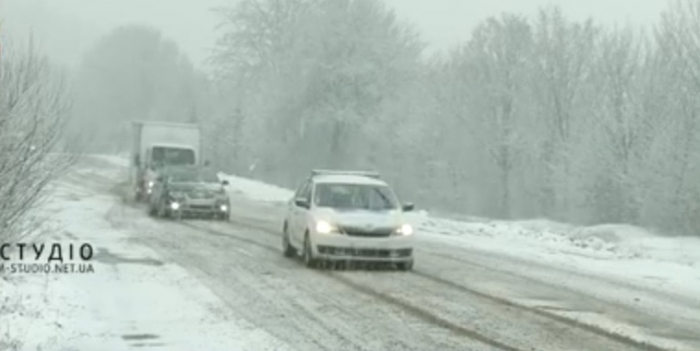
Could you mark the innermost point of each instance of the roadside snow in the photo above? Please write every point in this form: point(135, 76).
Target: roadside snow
point(622, 252)
point(131, 300)
point(256, 190)
point(117, 160)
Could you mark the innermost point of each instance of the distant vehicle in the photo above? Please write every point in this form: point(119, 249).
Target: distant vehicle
point(347, 216)
point(160, 144)
point(189, 191)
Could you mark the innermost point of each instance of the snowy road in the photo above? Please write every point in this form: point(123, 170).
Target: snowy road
point(458, 298)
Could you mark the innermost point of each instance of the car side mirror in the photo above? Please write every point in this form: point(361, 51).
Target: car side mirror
point(301, 202)
point(408, 207)
point(224, 182)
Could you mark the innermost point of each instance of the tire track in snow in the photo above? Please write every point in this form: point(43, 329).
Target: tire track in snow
point(425, 314)
point(674, 326)
point(599, 331)
point(324, 307)
point(420, 312)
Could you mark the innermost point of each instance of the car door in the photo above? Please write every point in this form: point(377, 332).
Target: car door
point(299, 213)
point(290, 216)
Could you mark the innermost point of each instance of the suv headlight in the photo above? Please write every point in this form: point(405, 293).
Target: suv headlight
point(324, 227)
point(405, 229)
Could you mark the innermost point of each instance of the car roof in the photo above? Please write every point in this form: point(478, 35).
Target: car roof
point(347, 179)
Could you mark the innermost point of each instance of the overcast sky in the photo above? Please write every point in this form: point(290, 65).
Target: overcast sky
point(65, 28)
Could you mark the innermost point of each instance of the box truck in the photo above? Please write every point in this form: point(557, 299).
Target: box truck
point(161, 144)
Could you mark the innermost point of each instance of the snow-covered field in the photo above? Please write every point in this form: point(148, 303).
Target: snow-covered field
point(133, 299)
point(620, 252)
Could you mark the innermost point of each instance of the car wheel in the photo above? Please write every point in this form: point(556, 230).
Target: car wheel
point(160, 211)
point(309, 260)
point(405, 266)
point(287, 248)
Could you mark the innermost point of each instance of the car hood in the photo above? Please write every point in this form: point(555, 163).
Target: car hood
point(360, 218)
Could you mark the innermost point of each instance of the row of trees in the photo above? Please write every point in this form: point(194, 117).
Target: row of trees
point(531, 117)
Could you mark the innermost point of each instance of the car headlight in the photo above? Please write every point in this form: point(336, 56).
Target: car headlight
point(324, 227)
point(405, 229)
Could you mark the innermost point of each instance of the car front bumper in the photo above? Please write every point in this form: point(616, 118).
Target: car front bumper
point(337, 247)
point(200, 208)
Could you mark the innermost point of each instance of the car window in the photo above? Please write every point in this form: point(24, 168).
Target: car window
point(301, 189)
point(355, 196)
point(306, 191)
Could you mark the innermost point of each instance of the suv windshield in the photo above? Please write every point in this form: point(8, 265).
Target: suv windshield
point(193, 176)
point(355, 196)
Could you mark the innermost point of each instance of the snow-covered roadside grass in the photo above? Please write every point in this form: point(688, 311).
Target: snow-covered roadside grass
point(256, 190)
point(621, 252)
point(134, 298)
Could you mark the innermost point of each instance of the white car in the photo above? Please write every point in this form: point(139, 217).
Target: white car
point(347, 216)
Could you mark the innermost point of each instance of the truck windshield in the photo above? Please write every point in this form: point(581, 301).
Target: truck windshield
point(169, 156)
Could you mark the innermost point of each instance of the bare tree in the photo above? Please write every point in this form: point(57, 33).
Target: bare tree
point(565, 54)
point(33, 103)
point(497, 59)
point(678, 39)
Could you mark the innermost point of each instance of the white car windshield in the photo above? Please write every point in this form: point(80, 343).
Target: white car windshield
point(355, 196)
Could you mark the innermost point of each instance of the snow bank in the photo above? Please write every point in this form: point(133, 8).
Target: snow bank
point(599, 242)
point(121, 160)
point(619, 252)
point(256, 190)
point(134, 298)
